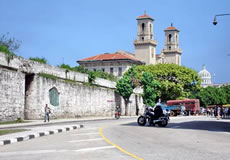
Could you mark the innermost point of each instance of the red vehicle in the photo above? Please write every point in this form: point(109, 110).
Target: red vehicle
point(192, 106)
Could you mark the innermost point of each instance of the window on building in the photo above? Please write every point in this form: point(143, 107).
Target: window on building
point(54, 96)
point(143, 38)
point(111, 70)
point(120, 71)
point(143, 27)
point(169, 47)
point(95, 69)
point(170, 37)
point(152, 52)
point(103, 69)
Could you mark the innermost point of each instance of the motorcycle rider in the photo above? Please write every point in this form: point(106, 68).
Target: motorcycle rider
point(155, 113)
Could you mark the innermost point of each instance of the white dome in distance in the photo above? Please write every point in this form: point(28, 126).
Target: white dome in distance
point(205, 77)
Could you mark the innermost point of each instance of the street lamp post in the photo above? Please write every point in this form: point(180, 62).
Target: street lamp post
point(215, 22)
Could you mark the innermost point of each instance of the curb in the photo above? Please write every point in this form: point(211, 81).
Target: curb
point(61, 122)
point(39, 134)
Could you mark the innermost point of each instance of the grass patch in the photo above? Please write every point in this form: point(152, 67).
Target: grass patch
point(8, 131)
point(19, 120)
point(70, 81)
point(50, 76)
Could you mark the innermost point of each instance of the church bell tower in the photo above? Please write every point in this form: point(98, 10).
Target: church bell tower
point(171, 51)
point(144, 44)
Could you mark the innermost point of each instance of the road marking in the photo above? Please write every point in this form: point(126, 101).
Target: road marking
point(85, 140)
point(79, 134)
point(93, 149)
point(118, 147)
point(30, 152)
point(52, 151)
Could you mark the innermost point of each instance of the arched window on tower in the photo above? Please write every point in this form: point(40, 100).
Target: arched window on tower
point(143, 27)
point(170, 38)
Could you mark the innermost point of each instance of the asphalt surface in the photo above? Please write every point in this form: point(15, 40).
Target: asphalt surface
point(190, 138)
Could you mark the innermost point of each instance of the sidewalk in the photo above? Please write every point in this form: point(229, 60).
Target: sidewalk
point(39, 128)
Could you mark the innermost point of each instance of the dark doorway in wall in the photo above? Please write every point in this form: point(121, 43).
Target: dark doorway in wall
point(118, 101)
point(28, 81)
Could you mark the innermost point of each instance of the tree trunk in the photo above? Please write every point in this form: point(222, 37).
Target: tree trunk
point(126, 106)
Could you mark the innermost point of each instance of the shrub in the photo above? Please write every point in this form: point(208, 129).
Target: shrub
point(40, 60)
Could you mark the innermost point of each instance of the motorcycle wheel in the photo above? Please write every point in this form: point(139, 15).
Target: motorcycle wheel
point(163, 123)
point(141, 120)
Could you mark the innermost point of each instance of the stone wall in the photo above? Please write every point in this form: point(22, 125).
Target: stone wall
point(12, 97)
point(24, 92)
point(75, 99)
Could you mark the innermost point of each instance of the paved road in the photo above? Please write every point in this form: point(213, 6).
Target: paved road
point(194, 138)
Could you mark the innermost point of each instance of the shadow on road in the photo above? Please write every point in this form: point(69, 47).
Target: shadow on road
point(214, 126)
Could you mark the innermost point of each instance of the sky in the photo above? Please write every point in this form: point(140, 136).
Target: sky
point(70, 30)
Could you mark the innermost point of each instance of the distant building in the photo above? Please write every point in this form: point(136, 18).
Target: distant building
point(145, 51)
point(205, 77)
point(114, 63)
point(172, 52)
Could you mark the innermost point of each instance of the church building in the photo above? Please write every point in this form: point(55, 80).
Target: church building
point(145, 51)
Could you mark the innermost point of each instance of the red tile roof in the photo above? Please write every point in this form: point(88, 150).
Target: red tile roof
point(112, 56)
point(171, 28)
point(144, 16)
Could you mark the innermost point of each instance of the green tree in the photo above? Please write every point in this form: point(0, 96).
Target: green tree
point(65, 66)
point(126, 85)
point(177, 82)
point(226, 89)
point(80, 69)
point(220, 96)
point(9, 46)
point(11, 43)
point(212, 96)
point(91, 77)
point(151, 88)
point(205, 96)
point(124, 88)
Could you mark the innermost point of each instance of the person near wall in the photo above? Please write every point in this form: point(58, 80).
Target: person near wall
point(47, 113)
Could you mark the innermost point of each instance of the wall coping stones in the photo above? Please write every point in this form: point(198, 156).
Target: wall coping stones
point(29, 66)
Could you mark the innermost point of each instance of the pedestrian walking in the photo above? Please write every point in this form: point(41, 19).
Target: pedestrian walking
point(221, 112)
point(218, 113)
point(47, 113)
point(229, 112)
